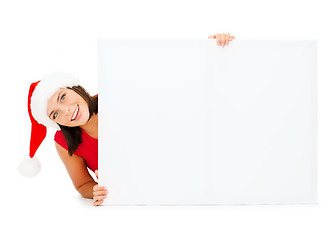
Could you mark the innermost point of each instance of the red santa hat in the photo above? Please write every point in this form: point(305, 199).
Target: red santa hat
point(39, 94)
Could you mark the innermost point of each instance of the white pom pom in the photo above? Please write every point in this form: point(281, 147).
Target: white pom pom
point(30, 167)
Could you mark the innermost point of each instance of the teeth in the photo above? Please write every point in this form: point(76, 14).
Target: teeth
point(75, 113)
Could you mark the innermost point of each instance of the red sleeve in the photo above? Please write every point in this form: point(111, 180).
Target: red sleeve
point(60, 139)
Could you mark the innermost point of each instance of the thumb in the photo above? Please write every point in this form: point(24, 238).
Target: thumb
point(96, 172)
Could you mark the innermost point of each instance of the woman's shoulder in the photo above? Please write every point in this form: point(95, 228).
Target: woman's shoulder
point(59, 138)
point(59, 133)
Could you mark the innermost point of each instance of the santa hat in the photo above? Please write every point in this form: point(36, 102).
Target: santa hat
point(39, 94)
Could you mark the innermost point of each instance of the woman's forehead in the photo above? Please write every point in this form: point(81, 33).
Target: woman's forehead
point(53, 99)
point(55, 95)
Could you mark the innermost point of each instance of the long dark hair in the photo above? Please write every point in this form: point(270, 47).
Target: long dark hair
point(73, 134)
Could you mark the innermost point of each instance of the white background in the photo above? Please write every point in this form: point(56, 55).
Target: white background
point(38, 37)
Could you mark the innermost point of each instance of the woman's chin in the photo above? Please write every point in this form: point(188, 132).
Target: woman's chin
point(80, 123)
point(73, 124)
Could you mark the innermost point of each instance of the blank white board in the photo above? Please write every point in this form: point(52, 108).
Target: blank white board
point(185, 122)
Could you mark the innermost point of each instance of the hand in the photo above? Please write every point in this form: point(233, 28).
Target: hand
point(222, 39)
point(99, 193)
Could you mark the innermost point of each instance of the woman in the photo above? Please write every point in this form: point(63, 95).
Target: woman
point(59, 101)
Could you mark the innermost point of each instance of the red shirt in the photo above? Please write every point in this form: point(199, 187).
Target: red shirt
point(88, 149)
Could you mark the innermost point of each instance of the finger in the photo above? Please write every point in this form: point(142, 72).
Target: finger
point(99, 198)
point(227, 39)
point(99, 188)
point(223, 38)
point(97, 193)
point(97, 203)
point(95, 187)
point(218, 38)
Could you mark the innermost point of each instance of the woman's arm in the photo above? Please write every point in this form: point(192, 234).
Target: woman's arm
point(77, 170)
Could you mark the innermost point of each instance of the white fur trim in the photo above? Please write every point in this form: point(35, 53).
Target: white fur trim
point(45, 89)
point(30, 167)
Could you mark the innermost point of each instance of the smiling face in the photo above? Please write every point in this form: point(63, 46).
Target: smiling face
point(68, 108)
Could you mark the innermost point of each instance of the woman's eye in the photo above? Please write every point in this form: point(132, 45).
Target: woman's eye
point(62, 97)
point(55, 115)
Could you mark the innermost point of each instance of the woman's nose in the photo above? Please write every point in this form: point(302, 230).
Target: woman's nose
point(66, 110)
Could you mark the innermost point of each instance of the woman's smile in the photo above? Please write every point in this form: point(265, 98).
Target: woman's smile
point(75, 114)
